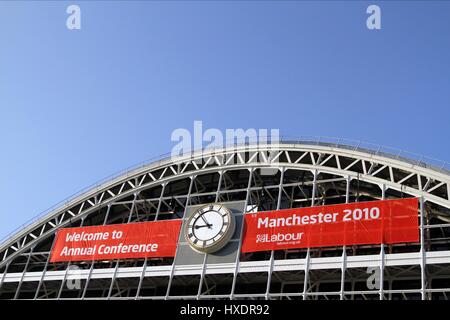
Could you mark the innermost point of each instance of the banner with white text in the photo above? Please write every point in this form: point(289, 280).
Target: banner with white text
point(374, 222)
point(119, 241)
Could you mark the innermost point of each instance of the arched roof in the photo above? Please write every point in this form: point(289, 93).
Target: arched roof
point(413, 177)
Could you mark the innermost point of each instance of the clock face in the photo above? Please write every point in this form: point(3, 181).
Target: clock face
point(209, 228)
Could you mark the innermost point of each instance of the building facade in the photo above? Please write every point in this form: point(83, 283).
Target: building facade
point(247, 179)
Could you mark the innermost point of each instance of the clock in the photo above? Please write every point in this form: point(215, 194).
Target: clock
point(209, 228)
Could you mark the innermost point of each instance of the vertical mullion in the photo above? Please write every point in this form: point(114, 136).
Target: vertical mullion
point(172, 270)
point(305, 281)
point(160, 201)
point(308, 252)
point(67, 270)
point(390, 289)
point(382, 254)
point(111, 286)
point(422, 250)
point(272, 255)
point(219, 185)
point(23, 274)
point(4, 275)
point(63, 281)
point(132, 207)
point(107, 214)
point(347, 189)
point(344, 248)
point(202, 275)
point(91, 269)
point(130, 215)
point(45, 268)
point(236, 266)
point(343, 270)
point(141, 279)
point(313, 196)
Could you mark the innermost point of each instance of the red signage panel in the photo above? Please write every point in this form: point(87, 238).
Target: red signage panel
point(119, 241)
point(374, 222)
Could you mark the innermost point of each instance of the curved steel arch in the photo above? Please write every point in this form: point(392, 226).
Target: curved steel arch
point(403, 175)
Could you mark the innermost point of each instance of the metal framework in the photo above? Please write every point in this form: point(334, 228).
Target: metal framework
point(300, 174)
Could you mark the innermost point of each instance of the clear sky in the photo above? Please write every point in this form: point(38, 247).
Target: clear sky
point(79, 105)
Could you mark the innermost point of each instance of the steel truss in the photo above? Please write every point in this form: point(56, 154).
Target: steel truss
point(304, 174)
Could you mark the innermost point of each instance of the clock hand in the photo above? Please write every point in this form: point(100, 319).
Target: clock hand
point(206, 225)
point(204, 219)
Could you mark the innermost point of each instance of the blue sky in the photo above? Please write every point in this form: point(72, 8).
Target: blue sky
point(76, 106)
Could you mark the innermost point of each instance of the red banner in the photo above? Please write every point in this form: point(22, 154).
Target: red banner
point(119, 241)
point(374, 222)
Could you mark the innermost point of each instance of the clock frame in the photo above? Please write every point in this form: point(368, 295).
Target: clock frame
point(212, 236)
